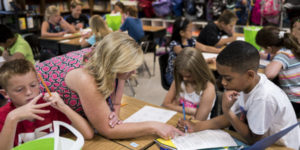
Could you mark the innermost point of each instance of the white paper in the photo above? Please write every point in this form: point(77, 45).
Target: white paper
point(68, 34)
point(149, 113)
point(2, 59)
point(65, 41)
point(209, 55)
point(240, 38)
point(264, 62)
point(204, 139)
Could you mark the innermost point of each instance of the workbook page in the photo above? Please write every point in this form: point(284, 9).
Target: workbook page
point(148, 113)
point(204, 139)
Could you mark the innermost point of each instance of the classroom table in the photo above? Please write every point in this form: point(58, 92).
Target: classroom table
point(70, 45)
point(53, 42)
point(153, 32)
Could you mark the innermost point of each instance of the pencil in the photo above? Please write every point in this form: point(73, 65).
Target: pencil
point(124, 104)
point(183, 111)
point(46, 87)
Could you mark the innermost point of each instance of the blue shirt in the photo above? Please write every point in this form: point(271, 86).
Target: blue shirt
point(134, 27)
point(92, 40)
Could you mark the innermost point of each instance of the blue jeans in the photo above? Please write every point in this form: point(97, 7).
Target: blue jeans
point(169, 78)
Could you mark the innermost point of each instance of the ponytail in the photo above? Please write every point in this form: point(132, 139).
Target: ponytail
point(290, 42)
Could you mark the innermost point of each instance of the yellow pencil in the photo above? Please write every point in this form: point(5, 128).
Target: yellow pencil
point(46, 87)
point(124, 104)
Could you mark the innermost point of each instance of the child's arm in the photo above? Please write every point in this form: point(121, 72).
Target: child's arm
point(177, 49)
point(77, 121)
point(228, 99)
point(171, 103)
point(44, 31)
point(205, 48)
point(206, 103)
point(224, 41)
point(16, 55)
point(273, 69)
point(26, 112)
point(66, 26)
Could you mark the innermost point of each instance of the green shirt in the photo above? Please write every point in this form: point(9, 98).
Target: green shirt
point(21, 46)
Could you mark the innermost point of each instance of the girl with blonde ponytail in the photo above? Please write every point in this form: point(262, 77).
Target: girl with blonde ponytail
point(286, 62)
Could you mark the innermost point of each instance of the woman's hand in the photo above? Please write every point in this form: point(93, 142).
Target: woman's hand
point(114, 120)
point(166, 131)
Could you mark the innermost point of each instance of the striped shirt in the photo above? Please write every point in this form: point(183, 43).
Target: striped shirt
point(289, 75)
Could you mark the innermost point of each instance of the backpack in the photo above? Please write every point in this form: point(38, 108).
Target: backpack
point(189, 6)
point(177, 7)
point(146, 5)
point(270, 7)
point(162, 7)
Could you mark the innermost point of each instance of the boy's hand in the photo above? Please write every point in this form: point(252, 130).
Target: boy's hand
point(228, 99)
point(114, 120)
point(186, 123)
point(5, 54)
point(55, 101)
point(79, 26)
point(30, 110)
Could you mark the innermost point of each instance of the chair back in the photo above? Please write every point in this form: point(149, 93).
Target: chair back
point(34, 43)
point(163, 63)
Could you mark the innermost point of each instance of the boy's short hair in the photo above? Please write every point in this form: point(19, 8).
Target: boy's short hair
point(132, 11)
point(293, 21)
point(240, 56)
point(74, 3)
point(12, 68)
point(227, 16)
point(6, 33)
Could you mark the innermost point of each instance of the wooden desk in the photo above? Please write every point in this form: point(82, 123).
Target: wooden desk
point(133, 105)
point(52, 42)
point(71, 45)
point(154, 32)
point(98, 143)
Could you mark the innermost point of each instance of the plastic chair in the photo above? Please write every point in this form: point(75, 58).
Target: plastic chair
point(163, 63)
point(34, 43)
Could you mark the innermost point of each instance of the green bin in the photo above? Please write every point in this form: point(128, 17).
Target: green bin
point(250, 34)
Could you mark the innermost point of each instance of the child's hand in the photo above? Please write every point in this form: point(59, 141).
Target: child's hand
point(186, 123)
point(228, 99)
point(5, 54)
point(55, 101)
point(61, 33)
point(30, 110)
point(114, 120)
point(79, 26)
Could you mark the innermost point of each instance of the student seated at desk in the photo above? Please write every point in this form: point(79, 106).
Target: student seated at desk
point(193, 85)
point(181, 38)
point(119, 8)
point(54, 24)
point(99, 30)
point(27, 112)
point(133, 25)
point(213, 31)
point(13, 46)
point(252, 104)
point(76, 18)
point(286, 62)
point(91, 82)
point(295, 28)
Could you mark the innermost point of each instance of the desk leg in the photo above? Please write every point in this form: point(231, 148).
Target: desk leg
point(154, 60)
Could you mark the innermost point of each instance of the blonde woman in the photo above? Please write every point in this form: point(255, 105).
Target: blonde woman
point(99, 30)
point(54, 24)
point(95, 88)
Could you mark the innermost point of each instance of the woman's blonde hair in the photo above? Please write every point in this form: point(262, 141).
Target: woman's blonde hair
point(99, 27)
point(50, 11)
point(191, 60)
point(115, 53)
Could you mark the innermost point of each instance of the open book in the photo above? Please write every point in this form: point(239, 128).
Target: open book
point(199, 140)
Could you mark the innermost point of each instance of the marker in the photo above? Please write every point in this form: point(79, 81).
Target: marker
point(183, 111)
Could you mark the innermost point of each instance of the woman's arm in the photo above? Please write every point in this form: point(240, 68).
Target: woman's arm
point(97, 111)
point(44, 30)
point(205, 48)
point(273, 69)
point(206, 102)
point(171, 103)
point(66, 26)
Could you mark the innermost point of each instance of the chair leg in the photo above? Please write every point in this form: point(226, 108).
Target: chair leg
point(147, 69)
point(131, 88)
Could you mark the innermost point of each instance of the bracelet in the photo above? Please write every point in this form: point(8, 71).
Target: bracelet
point(116, 104)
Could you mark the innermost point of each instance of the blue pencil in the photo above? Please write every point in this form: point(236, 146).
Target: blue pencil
point(183, 111)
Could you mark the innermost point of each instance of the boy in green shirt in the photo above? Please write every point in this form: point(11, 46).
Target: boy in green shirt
point(13, 46)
